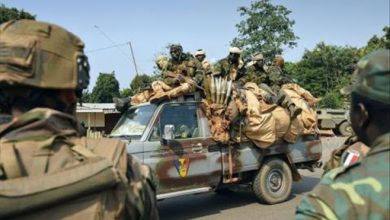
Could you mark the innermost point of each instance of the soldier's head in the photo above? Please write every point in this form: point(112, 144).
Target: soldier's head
point(41, 65)
point(370, 94)
point(200, 55)
point(234, 54)
point(278, 61)
point(176, 51)
point(258, 60)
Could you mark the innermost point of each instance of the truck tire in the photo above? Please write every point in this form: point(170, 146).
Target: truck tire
point(272, 184)
point(345, 129)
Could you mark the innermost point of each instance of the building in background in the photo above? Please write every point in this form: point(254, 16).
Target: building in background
point(100, 117)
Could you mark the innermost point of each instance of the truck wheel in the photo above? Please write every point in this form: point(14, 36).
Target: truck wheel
point(273, 182)
point(345, 129)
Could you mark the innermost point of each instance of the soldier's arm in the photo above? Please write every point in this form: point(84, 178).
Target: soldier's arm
point(169, 79)
point(142, 197)
point(313, 208)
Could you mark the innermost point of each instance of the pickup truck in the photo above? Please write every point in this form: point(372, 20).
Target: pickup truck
point(173, 138)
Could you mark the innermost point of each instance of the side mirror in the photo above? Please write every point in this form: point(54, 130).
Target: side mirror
point(169, 132)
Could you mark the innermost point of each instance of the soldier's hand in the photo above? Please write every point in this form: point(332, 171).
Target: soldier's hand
point(181, 78)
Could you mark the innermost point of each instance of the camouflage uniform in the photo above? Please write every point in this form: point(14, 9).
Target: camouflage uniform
point(185, 65)
point(226, 68)
point(206, 65)
point(361, 190)
point(183, 73)
point(47, 170)
point(256, 75)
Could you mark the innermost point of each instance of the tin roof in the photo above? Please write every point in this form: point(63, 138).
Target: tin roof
point(96, 107)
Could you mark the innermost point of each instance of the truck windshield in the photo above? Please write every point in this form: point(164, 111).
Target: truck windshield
point(132, 123)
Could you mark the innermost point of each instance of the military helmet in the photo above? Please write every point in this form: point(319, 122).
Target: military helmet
point(176, 47)
point(371, 78)
point(41, 55)
point(278, 60)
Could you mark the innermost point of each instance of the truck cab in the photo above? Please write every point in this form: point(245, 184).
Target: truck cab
point(174, 139)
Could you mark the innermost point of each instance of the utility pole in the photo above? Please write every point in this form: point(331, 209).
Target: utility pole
point(132, 54)
point(117, 46)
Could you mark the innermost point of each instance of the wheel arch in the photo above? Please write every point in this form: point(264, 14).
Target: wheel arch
point(294, 171)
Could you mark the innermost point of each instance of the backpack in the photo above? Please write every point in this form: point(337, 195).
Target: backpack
point(68, 178)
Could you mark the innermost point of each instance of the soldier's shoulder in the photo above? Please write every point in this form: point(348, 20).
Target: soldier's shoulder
point(343, 173)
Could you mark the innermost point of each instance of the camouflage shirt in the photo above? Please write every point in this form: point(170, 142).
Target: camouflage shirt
point(256, 75)
point(359, 191)
point(187, 66)
point(225, 68)
point(275, 77)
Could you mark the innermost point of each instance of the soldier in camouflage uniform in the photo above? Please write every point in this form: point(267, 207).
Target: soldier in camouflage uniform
point(361, 190)
point(182, 72)
point(47, 170)
point(200, 55)
point(256, 72)
point(232, 66)
point(270, 80)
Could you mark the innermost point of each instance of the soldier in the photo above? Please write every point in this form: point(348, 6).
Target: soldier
point(47, 170)
point(231, 66)
point(200, 55)
point(256, 72)
point(352, 149)
point(361, 190)
point(182, 72)
point(181, 65)
point(270, 80)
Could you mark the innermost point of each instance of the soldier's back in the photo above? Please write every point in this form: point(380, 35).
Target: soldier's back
point(59, 175)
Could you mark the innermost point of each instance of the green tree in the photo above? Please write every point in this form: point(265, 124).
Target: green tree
point(107, 87)
point(86, 97)
point(126, 92)
point(138, 82)
point(7, 14)
point(324, 69)
point(332, 100)
point(266, 28)
point(378, 42)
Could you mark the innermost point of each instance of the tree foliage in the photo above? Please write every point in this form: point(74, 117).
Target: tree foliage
point(378, 42)
point(7, 14)
point(107, 87)
point(139, 82)
point(266, 28)
point(324, 69)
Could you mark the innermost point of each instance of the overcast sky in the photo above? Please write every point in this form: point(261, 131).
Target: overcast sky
point(150, 25)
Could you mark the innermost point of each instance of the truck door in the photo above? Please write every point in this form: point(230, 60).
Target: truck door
point(188, 161)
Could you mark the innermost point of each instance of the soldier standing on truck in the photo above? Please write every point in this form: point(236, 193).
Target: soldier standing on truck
point(47, 169)
point(361, 190)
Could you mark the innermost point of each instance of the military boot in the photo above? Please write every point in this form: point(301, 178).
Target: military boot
point(294, 110)
point(285, 101)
